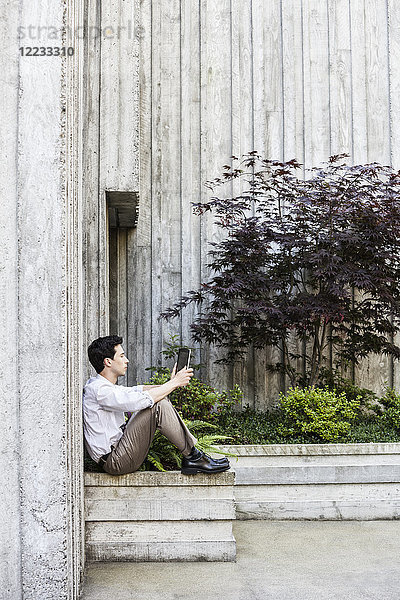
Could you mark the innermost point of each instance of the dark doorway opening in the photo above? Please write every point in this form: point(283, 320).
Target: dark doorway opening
point(122, 214)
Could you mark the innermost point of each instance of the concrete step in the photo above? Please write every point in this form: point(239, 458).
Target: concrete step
point(308, 474)
point(314, 501)
point(315, 454)
point(331, 491)
point(158, 478)
point(253, 450)
point(326, 510)
point(159, 516)
point(160, 540)
point(166, 503)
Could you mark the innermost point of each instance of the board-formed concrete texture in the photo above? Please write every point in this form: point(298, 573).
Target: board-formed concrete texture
point(41, 547)
point(159, 517)
point(317, 481)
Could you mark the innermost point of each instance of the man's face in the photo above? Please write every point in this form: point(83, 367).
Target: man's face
point(119, 363)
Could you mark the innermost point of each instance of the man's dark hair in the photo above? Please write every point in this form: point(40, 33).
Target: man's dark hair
point(103, 347)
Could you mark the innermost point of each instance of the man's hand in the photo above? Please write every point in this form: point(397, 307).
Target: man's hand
point(182, 377)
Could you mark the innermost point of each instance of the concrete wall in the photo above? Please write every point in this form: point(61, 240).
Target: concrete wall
point(302, 79)
point(40, 292)
point(111, 162)
point(221, 77)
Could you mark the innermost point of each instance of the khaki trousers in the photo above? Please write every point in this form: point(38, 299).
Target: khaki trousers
point(133, 447)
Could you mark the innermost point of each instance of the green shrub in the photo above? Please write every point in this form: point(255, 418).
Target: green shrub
point(256, 427)
point(372, 430)
point(195, 401)
point(276, 427)
point(316, 412)
point(391, 414)
point(198, 401)
point(369, 401)
point(250, 426)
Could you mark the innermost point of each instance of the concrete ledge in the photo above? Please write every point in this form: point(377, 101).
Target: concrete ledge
point(312, 449)
point(317, 481)
point(157, 478)
point(151, 516)
point(306, 474)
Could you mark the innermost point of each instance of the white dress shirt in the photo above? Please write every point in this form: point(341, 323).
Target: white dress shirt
point(104, 407)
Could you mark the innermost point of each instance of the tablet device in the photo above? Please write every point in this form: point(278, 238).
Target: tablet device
point(183, 359)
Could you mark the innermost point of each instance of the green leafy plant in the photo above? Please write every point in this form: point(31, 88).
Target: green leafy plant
point(369, 401)
point(250, 426)
point(170, 352)
point(317, 412)
point(258, 427)
point(391, 414)
point(195, 401)
point(164, 456)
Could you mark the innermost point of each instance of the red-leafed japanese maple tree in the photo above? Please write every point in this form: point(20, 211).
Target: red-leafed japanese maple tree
point(315, 256)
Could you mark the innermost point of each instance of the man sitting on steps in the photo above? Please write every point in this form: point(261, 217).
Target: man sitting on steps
point(121, 448)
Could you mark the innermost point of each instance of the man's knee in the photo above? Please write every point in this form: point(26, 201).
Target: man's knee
point(166, 411)
point(165, 403)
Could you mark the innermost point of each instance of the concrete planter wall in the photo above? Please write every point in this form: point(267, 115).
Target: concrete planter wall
point(149, 516)
point(317, 481)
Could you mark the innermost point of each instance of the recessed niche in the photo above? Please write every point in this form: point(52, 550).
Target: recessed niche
point(123, 209)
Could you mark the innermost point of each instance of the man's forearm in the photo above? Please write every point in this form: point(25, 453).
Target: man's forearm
point(158, 392)
point(150, 387)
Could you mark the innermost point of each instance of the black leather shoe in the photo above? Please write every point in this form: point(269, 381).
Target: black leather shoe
point(198, 462)
point(196, 453)
point(219, 461)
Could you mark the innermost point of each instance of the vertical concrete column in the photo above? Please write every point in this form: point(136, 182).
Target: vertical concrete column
point(42, 311)
point(74, 106)
point(41, 296)
point(10, 563)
